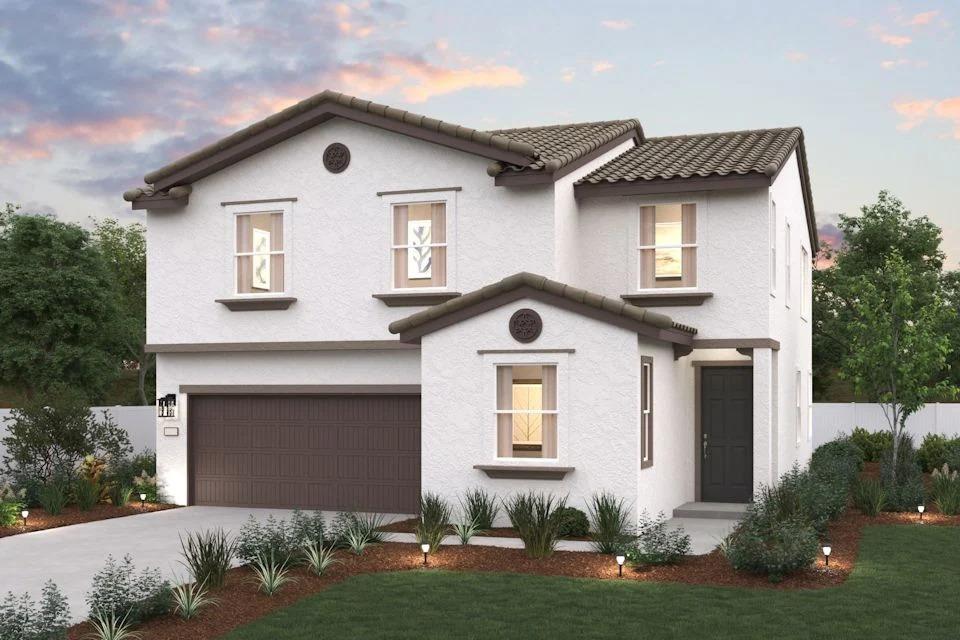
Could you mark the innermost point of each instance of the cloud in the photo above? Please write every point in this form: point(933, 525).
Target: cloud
point(917, 112)
point(922, 19)
point(847, 22)
point(36, 140)
point(568, 74)
point(420, 80)
point(601, 66)
point(892, 64)
point(898, 41)
point(616, 25)
point(796, 56)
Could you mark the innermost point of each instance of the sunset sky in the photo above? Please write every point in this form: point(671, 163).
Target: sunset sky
point(95, 94)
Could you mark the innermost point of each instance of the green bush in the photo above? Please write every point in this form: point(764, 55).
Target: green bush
point(356, 531)
point(120, 591)
point(937, 450)
point(537, 519)
point(280, 539)
point(136, 472)
point(53, 497)
point(656, 543)
point(480, 507)
point(574, 523)
point(434, 520)
point(903, 489)
point(87, 493)
point(765, 545)
point(610, 523)
point(868, 496)
point(945, 490)
point(208, 555)
point(841, 456)
point(872, 444)
point(11, 504)
point(815, 496)
point(23, 619)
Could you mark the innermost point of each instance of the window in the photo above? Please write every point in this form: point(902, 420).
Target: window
point(804, 283)
point(646, 412)
point(798, 382)
point(527, 411)
point(788, 271)
point(419, 245)
point(259, 252)
point(809, 405)
point(668, 246)
point(773, 248)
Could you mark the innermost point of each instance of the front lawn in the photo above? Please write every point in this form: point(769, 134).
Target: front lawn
point(904, 584)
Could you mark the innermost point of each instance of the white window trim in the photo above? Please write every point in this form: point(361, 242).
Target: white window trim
point(286, 210)
point(809, 405)
point(773, 249)
point(788, 266)
point(798, 382)
point(805, 284)
point(643, 247)
point(449, 198)
point(490, 364)
point(645, 411)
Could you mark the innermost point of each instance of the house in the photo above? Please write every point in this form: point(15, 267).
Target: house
point(351, 304)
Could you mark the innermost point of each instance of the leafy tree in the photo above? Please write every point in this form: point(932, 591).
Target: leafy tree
point(59, 309)
point(8, 211)
point(897, 347)
point(124, 248)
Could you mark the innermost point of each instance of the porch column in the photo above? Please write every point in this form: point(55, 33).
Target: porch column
point(764, 419)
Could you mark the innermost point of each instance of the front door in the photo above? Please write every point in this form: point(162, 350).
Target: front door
point(726, 425)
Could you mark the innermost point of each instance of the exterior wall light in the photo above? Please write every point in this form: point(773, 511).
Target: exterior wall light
point(827, 549)
point(143, 500)
point(426, 549)
point(24, 514)
point(920, 510)
point(620, 561)
point(167, 406)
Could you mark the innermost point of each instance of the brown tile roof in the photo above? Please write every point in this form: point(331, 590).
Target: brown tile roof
point(615, 307)
point(760, 151)
point(560, 144)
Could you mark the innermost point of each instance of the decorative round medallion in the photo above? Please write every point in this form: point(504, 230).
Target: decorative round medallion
point(525, 325)
point(336, 157)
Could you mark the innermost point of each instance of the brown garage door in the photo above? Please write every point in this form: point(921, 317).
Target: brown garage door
point(337, 452)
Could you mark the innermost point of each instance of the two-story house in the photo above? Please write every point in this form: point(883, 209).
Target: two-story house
point(351, 304)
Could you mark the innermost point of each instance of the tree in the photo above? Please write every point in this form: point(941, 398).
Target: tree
point(124, 249)
point(897, 347)
point(58, 311)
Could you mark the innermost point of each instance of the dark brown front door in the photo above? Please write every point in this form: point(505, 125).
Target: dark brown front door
point(336, 452)
point(726, 424)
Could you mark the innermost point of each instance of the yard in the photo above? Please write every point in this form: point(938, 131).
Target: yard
point(904, 582)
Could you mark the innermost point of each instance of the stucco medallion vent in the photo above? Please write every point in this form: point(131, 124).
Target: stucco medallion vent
point(525, 325)
point(336, 157)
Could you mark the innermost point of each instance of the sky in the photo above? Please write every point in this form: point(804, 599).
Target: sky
point(95, 94)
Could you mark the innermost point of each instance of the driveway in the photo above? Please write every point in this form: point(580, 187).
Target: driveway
point(71, 555)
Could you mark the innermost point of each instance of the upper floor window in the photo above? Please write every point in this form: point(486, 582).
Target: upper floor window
point(526, 411)
point(773, 248)
point(788, 267)
point(668, 246)
point(419, 245)
point(259, 252)
point(804, 283)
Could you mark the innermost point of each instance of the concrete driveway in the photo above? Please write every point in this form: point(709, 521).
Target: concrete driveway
point(71, 555)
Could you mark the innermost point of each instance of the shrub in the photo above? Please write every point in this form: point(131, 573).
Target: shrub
point(124, 472)
point(937, 450)
point(573, 523)
point(87, 493)
point(120, 495)
point(119, 591)
point(868, 496)
point(610, 523)
point(148, 486)
point(465, 531)
point(538, 519)
point(23, 619)
point(763, 544)
point(318, 558)
point(872, 444)
point(110, 626)
point(945, 490)
point(53, 497)
point(904, 490)
point(208, 555)
point(270, 574)
point(656, 543)
point(840, 457)
point(434, 520)
point(50, 437)
point(11, 504)
point(814, 497)
point(481, 508)
point(357, 531)
point(278, 537)
point(189, 598)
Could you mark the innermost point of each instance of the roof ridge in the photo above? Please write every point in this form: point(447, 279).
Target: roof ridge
point(722, 133)
point(566, 125)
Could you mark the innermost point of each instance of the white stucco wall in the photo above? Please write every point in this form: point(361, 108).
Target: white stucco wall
point(339, 237)
point(273, 368)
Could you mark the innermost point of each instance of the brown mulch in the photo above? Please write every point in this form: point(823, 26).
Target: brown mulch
point(38, 520)
point(409, 526)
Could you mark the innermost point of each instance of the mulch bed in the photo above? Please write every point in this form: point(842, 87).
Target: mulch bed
point(241, 603)
point(39, 519)
point(409, 526)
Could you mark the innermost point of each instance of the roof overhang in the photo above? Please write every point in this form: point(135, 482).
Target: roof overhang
point(531, 286)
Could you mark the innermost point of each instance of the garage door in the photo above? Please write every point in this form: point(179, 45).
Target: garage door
point(336, 452)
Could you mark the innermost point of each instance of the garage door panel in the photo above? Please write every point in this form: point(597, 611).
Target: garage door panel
point(308, 452)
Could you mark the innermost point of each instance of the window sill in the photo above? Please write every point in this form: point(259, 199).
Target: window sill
point(416, 299)
point(667, 299)
point(523, 472)
point(272, 303)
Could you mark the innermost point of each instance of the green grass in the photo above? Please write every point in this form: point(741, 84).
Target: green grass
point(905, 585)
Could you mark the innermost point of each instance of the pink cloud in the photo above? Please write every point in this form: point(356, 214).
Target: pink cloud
point(916, 112)
point(796, 56)
point(431, 80)
point(37, 139)
point(891, 39)
point(567, 75)
point(616, 25)
point(922, 19)
point(602, 66)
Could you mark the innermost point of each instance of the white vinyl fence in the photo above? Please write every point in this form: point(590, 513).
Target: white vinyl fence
point(833, 418)
point(140, 423)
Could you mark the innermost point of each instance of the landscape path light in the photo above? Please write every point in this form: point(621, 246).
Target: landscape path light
point(921, 509)
point(827, 549)
point(426, 549)
point(620, 560)
point(143, 500)
point(24, 514)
